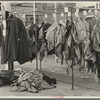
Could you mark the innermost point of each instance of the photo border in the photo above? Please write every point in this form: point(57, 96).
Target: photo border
point(50, 97)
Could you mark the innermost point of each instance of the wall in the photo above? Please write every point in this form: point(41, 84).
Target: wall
point(42, 9)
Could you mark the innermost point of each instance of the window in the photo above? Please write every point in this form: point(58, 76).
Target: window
point(50, 6)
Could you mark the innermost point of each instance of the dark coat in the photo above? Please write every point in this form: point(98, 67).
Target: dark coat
point(42, 39)
point(33, 34)
point(15, 43)
point(92, 22)
point(69, 51)
point(33, 31)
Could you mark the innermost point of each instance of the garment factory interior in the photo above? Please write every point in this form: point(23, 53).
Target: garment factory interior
point(44, 43)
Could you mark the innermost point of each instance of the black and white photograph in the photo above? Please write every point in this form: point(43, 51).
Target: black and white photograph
point(49, 49)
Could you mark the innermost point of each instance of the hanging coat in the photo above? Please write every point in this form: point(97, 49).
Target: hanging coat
point(50, 37)
point(42, 39)
point(42, 30)
point(95, 36)
point(60, 41)
point(90, 53)
point(92, 21)
point(82, 40)
point(33, 31)
point(82, 28)
point(15, 44)
point(68, 41)
point(96, 39)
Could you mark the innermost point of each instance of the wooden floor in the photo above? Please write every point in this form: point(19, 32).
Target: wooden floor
point(64, 89)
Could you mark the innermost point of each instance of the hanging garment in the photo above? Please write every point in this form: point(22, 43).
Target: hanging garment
point(42, 39)
point(59, 36)
point(50, 37)
point(90, 56)
point(42, 30)
point(33, 31)
point(92, 21)
point(41, 33)
point(45, 28)
point(3, 51)
point(70, 42)
point(50, 29)
point(96, 38)
point(60, 41)
point(14, 44)
point(42, 50)
point(67, 49)
point(82, 28)
point(82, 39)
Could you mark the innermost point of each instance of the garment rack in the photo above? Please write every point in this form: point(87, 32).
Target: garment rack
point(85, 8)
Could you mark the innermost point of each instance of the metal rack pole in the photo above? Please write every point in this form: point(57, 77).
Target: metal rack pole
point(55, 22)
point(36, 54)
point(40, 64)
point(72, 57)
point(34, 16)
point(55, 10)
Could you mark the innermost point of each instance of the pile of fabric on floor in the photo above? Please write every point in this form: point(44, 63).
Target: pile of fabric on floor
point(7, 77)
point(32, 81)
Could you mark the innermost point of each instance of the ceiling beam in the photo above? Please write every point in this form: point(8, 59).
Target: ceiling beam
point(22, 6)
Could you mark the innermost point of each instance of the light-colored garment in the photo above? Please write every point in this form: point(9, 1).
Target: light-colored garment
point(50, 36)
point(49, 31)
point(59, 35)
point(81, 36)
point(41, 33)
point(82, 28)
